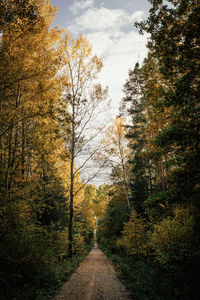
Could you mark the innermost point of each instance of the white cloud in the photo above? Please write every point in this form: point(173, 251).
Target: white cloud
point(100, 19)
point(101, 42)
point(78, 5)
point(111, 33)
point(118, 59)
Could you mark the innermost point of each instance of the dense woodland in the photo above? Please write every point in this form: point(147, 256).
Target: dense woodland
point(147, 215)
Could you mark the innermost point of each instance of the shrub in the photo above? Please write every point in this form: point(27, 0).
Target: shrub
point(133, 238)
point(171, 238)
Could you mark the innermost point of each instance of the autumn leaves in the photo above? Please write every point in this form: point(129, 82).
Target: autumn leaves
point(46, 100)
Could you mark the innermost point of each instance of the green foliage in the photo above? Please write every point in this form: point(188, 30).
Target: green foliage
point(133, 238)
point(174, 42)
point(156, 248)
point(78, 243)
point(50, 203)
point(40, 283)
point(138, 184)
point(34, 188)
point(111, 224)
point(158, 253)
point(144, 279)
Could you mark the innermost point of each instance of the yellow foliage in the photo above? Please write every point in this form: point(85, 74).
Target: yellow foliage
point(133, 238)
point(79, 65)
point(62, 237)
point(101, 201)
point(78, 243)
point(170, 239)
point(118, 152)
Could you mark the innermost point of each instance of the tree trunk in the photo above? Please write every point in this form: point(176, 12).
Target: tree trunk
point(150, 181)
point(7, 181)
point(71, 215)
point(125, 177)
point(23, 151)
point(71, 206)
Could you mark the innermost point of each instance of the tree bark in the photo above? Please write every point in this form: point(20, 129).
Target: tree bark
point(71, 206)
point(23, 150)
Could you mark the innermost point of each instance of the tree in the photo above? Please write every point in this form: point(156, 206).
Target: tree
point(110, 224)
point(134, 238)
point(116, 148)
point(33, 195)
point(174, 30)
point(101, 200)
point(133, 107)
point(162, 105)
point(144, 91)
point(30, 60)
point(87, 213)
point(85, 100)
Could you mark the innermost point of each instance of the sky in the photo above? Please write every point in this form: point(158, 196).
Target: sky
point(108, 25)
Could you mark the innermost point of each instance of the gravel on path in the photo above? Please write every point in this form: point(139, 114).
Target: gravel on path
point(95, 279)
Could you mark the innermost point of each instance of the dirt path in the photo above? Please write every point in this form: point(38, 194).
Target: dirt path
point(95, 279)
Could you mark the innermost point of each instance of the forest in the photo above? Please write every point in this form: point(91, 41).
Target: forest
point(146, 214)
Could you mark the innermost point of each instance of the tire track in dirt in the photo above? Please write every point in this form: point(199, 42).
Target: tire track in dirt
point(95, 279)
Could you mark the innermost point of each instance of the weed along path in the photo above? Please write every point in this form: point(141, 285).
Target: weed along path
point(95, 279)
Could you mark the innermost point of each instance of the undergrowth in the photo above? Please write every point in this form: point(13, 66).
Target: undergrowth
point(147, 280)
point(42, 285)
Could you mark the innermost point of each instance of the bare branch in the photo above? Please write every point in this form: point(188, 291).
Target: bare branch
point(92, 177)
